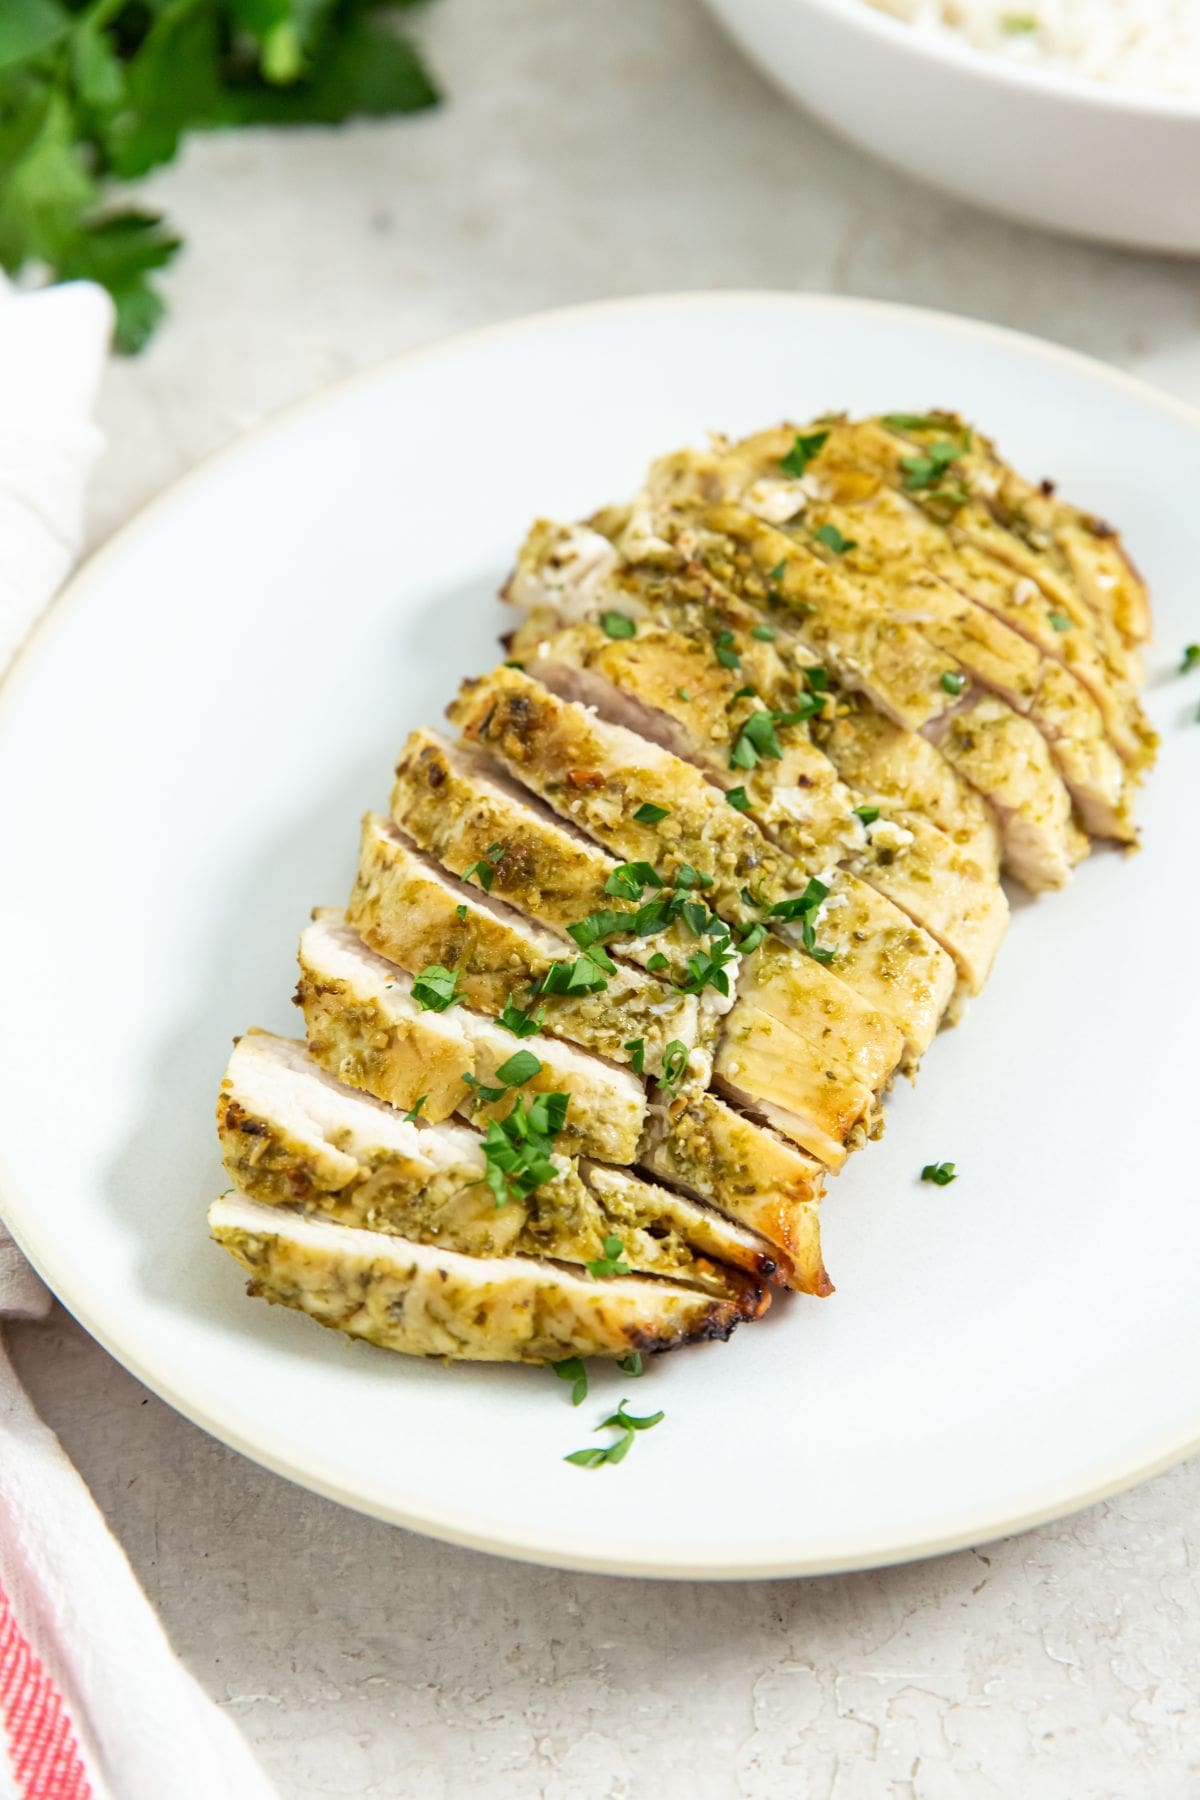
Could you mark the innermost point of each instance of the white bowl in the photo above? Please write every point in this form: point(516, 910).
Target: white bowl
point(1046, 148)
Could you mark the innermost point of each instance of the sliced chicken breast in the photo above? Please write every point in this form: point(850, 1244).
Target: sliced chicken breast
point(711, 1150)
point(428, 1301)
point(365, 1027)
point(596, 772)
point(411, 912)
point(332, 1150)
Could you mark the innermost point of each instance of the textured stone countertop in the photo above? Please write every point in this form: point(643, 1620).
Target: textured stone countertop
point(597, 147)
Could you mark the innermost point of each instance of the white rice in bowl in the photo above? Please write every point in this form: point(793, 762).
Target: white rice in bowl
point(1146, 44)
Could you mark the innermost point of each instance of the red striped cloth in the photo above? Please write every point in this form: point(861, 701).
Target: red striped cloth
point(43, 1755)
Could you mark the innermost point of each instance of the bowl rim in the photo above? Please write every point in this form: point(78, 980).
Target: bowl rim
point(945, 48)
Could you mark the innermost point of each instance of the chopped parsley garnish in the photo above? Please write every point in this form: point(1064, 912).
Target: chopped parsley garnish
point(520, 1067)
point(628, 1422)
point(522, 1024)
point(687, 877)
point(1191, 656)
point(414, 1111)
point(434, 988)
point(921, 472)
point(512, 663)
point(618, 625)
point(631, 1364)
point(682, 694)
point(831, 537)
point(1017, 24)
point(917, 421)
point(674, 1064)
point(708, 966)
point(597, 926)
point(802, 452)
point(517, 1148)
point(592, 1458)
point(649, 814)
point(751, 938)
point(486, 867)
point(746, 693)
point(724, 651)
point(612, 1262)
point(942, 1174)
point(737, 798)
point(571, 1369)
point(765, 633)
point(755, 740)
point(637, 1054)
point(1060, 621)
point(817, 678)
point(487, 1094)
point(586, 975)
point(461, 909)
point(657, 963)
point(805, 907)
point(775, 574)
point(630, 880)
point(868, 814)
point(953, 683)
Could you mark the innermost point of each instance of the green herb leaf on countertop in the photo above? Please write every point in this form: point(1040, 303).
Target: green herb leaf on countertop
point(1191, 656)
point(941, 1174)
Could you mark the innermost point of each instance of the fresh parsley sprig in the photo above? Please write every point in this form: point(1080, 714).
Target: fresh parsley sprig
point(98, 92)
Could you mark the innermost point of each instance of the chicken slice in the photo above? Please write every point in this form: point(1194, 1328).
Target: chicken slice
point(365, 1027)
point(1011, 573)
point(711, 1150)
point(674, 690)
point(647, 804)
point(429, 1301)
point(409, 911)
point(457, 805)
point(291, 1134)
point(760, 1064)
point(1041, 842)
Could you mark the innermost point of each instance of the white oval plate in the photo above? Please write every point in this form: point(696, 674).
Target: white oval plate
point(185, 748)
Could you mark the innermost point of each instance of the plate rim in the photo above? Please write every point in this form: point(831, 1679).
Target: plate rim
point(467, 1529)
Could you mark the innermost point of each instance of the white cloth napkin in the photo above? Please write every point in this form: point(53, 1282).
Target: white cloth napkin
point(93, 1703)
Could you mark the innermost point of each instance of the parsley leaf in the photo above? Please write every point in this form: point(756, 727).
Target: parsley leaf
point(868, 814)
point(764, 633)
point(953, 682)
point(649, 814)
point(942, 1174)
point(805, 908)
point(612, 1262)
point(1060, 621)
point(517, 1148)
point(104, 92)
point(831, 537)
point(486, 867)
point(520, 1067)
point(738, 799)
point(637, 1054)
point(917, 421)
point(630, 880)
point(571, 1369)
point(726, 655)
point(802, 452)
point(674, 1064)
point(1191, 656)
point(617, 625)
point(629, 1421)
point(434, 988)
point(414, 1110)
point(588, 974)
point(522, 1024)
point(631, 1364)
